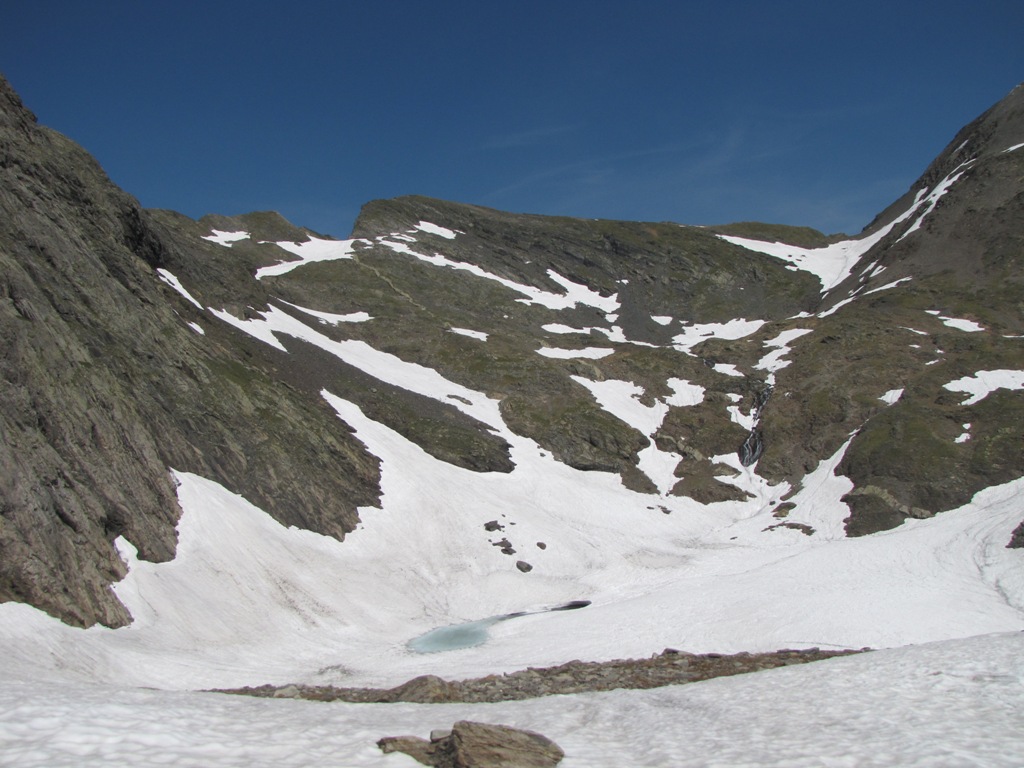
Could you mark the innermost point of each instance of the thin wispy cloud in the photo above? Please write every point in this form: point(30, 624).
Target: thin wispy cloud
point(531, 137)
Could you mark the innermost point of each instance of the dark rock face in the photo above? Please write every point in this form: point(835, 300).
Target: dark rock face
point(1017, 538)
point(105, 387)
point(478, 745)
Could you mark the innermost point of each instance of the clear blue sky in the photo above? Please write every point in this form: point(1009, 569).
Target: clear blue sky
point(812, 113)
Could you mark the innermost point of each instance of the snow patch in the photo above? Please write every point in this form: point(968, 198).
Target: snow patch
point(434, 229)
point(892, 396)
point(954, 322)
point(831, 264)
point(983, 383)
point(480, 335)
point(329, 318)
point(175, 283)
point(774, 361)
point(933, 197)
point(593, 353)
point(728, 369)
point(313, 250)
point(225, 238)
point(693, 335)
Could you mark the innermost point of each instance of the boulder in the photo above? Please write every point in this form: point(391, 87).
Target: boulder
point(479, 745)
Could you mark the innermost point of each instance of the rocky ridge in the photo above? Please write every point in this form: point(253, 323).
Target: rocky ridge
point(671, 667)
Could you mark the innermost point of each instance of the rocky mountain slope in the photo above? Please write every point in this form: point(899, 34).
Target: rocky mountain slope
point(688, 361)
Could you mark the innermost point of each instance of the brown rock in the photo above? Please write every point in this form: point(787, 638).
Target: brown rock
point(478, 745)
point(415, 747)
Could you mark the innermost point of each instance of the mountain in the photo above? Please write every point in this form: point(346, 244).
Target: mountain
point(108, 381)
point(241, 452)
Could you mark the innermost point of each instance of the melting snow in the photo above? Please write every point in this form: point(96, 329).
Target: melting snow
point(953, 322)
point(175, 283)
point(434, 229)
point(933, 197)
point(983, 383)
point(661, 319)
point(773, 361)
point(1014, 148)
point(225, 238)
point(313, 250)
point(728, 369)
point(594, 353)
point(381, 365)
point(248, 601)
point(575, 293)
point(197, 328)
point(832, 263)
point(472, 334)
point(887, 286)
point(331, 318)
point(963, 438)
point(892, 396)
point(693, 335)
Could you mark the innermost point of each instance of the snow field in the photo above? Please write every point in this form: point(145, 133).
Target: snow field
point(943, 704)
point(983, 383)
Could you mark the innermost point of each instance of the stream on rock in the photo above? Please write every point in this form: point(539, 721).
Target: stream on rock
point(473, 633)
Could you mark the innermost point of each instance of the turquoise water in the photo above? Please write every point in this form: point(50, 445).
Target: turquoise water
point(456, 636)
point(472, 633)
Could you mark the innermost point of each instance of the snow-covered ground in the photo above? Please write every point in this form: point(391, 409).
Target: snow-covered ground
point(956, 703)
point(248, 601)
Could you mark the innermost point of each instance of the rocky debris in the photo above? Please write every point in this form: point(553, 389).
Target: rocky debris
point(671, 667)
point(505, 546)
point(478, 745)
point(805, 529)
point(1017, 538)
point(524, 566)
point(572, 605)
point(493, 525)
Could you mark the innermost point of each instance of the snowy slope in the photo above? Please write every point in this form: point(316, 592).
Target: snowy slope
point(955, 703)
point(247, 601)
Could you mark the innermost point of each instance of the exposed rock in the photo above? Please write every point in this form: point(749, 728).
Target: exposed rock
point(479, 745)
point(427, 689)
point(104, 387)
point(415, 747)
point(1017, 538)
point(524, 566)
point(672, 667)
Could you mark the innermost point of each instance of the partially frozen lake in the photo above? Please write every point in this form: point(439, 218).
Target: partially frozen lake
point(474, 633)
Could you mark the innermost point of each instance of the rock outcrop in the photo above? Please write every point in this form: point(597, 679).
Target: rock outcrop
point(478, 745)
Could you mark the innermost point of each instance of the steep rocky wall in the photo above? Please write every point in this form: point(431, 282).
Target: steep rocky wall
point(105, 388)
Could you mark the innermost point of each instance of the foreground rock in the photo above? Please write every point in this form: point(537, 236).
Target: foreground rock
point(671, 667)
point(478, 745)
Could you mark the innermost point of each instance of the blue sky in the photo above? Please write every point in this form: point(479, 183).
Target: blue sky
point(808, 113)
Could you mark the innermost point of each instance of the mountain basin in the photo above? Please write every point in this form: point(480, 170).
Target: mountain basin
point(473, 633)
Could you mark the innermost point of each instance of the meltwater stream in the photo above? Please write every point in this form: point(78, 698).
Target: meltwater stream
point(473, 633)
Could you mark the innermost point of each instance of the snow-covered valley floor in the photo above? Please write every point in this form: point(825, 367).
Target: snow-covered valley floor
point(954, 703)
point(248, 601)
